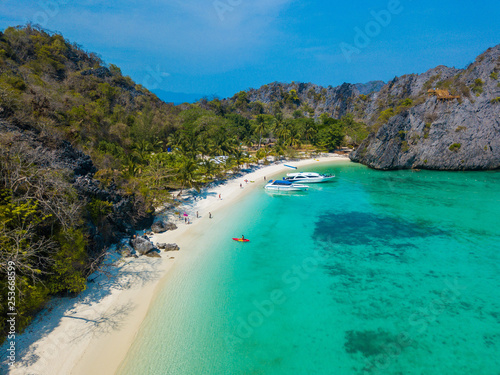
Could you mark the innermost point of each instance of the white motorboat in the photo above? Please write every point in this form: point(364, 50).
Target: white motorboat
point(308, 177)
point(284, 185)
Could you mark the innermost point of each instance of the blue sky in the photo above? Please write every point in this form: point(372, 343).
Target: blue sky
point(218, 47)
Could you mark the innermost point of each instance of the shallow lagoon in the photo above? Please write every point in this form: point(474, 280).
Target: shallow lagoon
point(374, 273)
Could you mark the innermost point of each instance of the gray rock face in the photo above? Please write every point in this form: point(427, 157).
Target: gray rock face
point(141, 245)
point(457, 134)
point(369, 87)
point(100, 72)
point(431, 133)
point(153, 254)
point(335, 101)
point(168, 246)
point(162, 226)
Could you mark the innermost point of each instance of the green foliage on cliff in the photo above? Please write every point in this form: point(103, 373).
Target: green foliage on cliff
point(477, 88)
point(40, 232)
point(385, 115)
point(143, 147)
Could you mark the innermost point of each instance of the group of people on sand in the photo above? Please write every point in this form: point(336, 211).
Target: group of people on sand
point(186, 217)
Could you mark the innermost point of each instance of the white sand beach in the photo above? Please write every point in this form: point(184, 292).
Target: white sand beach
point(92, 333)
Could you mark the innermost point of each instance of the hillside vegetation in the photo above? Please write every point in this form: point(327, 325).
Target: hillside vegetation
point(86, 155)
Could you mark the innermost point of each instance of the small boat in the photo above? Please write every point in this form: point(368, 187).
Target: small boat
point(307, 177)
point(284, 185)
point(241, 239)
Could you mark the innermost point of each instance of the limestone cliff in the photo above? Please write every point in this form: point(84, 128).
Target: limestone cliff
point(436, 132)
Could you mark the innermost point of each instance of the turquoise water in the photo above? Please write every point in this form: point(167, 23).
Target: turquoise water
point(375, 273)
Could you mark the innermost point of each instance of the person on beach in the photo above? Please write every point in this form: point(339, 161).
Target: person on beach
point(197, 216)
point(220, 197)
point(241, 186)
point(264, 178)
point(209, 215)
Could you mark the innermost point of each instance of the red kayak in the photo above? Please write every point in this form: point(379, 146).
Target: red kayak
point(241, 239)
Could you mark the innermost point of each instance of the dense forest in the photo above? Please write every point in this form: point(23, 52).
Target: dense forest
point(81, 143)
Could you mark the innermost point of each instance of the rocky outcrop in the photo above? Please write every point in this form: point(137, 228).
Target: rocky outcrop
point(369, 87)
point(336, 101)
point(168, 246)
point(101, 72)
point(142, 245)
point(161, 226)
point(455, 134)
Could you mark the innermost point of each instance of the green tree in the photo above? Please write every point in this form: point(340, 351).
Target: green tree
point(187, 174)
point(260, 127)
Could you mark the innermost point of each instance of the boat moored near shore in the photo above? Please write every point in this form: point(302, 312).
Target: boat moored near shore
point(284, 185)
point(308, 177)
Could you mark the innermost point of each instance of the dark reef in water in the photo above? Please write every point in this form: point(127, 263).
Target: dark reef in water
point(374, 343)
point(369, 229)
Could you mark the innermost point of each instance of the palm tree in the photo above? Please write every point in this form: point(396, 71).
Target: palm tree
point(142, 149)
point(131, 168)
point(240, 157)
point(156, 172)
point(261, 126)
point(174, 140)
point(156, 145)
point(187, 174)
point(294, 138)
point(222, 145)
point(282, 130)
point(210, 170)
point(278, 149)
point(309, 131)
point(191, 145)
point(262, 153)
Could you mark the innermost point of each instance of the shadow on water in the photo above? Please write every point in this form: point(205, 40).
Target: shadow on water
point(371, 343)
point(368, 254)
point(362, 228)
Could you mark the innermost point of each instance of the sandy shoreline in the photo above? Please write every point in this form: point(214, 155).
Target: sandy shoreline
point(91, 334)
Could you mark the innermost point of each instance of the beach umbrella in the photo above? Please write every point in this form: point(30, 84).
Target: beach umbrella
point(185, 214)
